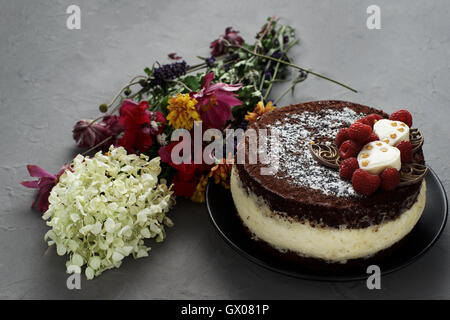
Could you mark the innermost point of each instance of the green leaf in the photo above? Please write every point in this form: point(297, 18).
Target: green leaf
point(164, 102)
point(256, 93)
point(148, 71)
point(193, 82)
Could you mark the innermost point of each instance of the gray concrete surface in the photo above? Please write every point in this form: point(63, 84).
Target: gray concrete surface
point(51, 76)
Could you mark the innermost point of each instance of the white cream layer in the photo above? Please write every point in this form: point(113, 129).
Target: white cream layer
point(333, 245)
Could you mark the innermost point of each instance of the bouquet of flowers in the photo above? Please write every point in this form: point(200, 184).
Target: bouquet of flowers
point(101, 208)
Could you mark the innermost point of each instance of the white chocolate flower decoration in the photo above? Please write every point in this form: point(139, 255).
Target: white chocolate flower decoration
point(376, 156)
point(391, 132)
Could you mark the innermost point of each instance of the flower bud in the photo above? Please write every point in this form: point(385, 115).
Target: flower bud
point(103, 107)
point(127, 92)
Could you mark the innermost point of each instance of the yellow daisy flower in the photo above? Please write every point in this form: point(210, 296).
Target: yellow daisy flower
point(182, 111)
point(221, 172)
point(199, 193)
point(259, 111)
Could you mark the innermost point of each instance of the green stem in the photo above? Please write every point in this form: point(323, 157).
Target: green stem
point(294, 83)
point(263, 78)
point(288, 47)
point(120, 92)
point(181, 84)
point(115, 98)
point(295, 66)
point(130, 97)
point(96, 146)
point(95, 120)
point(281, 80)
point(137, 77)
point(275, 72)
point(199, 65)
point(202, 65)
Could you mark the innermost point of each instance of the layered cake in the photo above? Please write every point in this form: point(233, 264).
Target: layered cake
point(309, 209)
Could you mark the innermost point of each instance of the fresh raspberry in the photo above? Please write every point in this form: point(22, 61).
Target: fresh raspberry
point(364, 121)
point(359, 132)
point(341, 137)
point(372, 137)
point(406, 152)
point(347, 167)
point(348, 149)
point(390, 178)
point(372, 118)
point(403, 116)
point(365, 183)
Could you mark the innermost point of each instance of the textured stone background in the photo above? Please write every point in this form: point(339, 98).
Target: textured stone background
point(50, 77)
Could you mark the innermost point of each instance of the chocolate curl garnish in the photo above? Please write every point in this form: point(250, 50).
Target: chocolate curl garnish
point(328, 155)
point(416, 139)
point(411, 173)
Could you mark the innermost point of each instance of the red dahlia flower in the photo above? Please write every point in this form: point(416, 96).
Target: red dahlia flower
point(215, 101)
point(185, 182)
point(218, 46)
point(44, 184)
point(188, 174)
point(135, 120)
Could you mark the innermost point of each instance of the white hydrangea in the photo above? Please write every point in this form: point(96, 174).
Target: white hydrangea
point(102, 210)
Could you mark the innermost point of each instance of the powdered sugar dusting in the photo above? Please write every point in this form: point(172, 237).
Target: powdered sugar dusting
point(296, 131)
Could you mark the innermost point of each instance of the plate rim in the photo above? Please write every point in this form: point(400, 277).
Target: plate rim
point(263, 264)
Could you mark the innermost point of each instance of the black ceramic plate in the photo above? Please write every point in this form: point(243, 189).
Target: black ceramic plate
point(427, 231)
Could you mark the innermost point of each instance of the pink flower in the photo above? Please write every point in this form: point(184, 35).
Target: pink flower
point(215, 101)
point(87, 134)
point(218, 46)
point(44, 184)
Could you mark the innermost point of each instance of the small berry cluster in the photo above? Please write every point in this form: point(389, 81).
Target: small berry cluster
point(169, 72)
point(350, 142)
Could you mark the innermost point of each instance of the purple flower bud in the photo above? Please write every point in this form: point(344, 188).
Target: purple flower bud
point(277, 54)
point(210, 61)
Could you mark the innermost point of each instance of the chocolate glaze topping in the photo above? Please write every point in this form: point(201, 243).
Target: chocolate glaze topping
point(308, 191)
